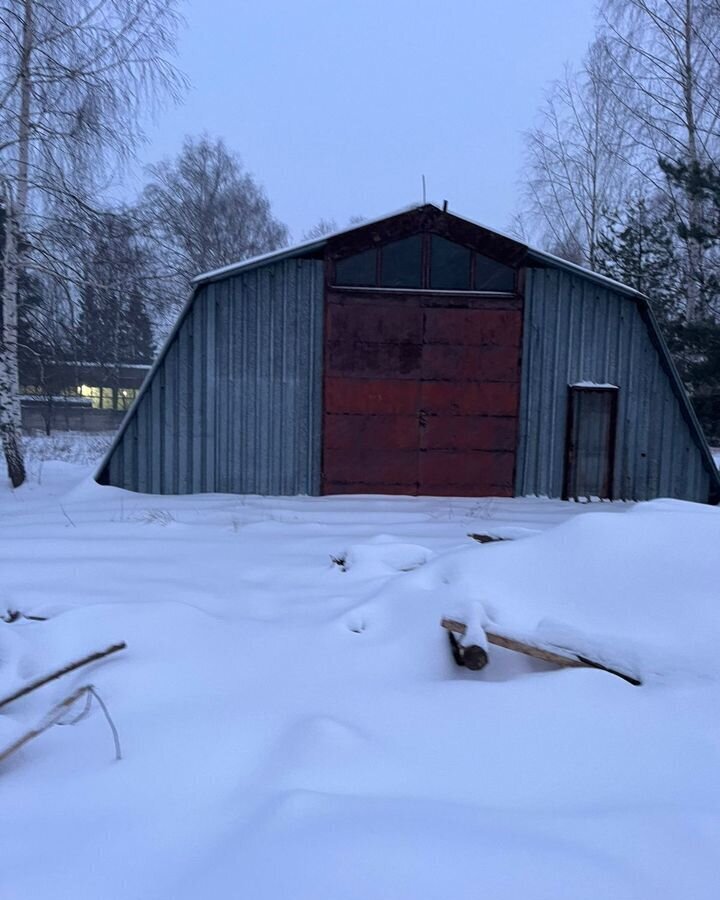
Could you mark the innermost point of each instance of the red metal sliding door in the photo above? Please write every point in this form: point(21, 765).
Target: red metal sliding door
point(420, 393)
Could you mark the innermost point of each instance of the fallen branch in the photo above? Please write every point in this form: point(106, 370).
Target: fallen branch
point(576, 661)
point(56, 714)
point(13, 615)
point(487, 538)
point(39, 682)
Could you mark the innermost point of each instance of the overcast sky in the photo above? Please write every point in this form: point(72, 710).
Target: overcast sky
point(338, 107)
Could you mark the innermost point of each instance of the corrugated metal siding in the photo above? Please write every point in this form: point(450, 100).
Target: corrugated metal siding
point(576, 330)
point(235, 402)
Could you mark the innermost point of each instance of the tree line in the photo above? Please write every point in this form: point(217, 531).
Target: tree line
point(133, 264)
point(622, 172)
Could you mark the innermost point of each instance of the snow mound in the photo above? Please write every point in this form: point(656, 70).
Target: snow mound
point(637, 592)
point(381, 556)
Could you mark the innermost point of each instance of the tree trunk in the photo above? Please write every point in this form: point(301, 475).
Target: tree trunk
point(695, 255)
point(15, 211)
point(10, 411)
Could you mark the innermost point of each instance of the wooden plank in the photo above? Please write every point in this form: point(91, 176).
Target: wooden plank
point(575, 661)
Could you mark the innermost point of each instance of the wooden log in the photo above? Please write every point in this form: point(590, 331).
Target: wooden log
point(570, 660)
point(471, 656)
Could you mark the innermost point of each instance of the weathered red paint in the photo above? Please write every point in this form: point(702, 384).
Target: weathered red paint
point(443, 432)
point(469, 399)
point(379, 323)
point(447, 362)
point(365, 359)
point(420, 393)
point(463, 327)
point(377, 467)
point(371, 396)
point(492, 469)
point(373, 432)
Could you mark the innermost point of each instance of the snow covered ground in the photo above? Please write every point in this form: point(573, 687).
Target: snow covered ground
point(294, 727)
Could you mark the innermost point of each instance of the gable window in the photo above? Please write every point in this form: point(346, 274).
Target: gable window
point(492, 276)
point(357, 271)
point(401, 263)
point(449, 265)
point(425, 261)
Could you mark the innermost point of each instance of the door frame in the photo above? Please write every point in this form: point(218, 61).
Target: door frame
point(569, 453)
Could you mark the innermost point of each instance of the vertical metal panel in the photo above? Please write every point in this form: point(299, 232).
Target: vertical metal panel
point(234, 404)
point(576, 330)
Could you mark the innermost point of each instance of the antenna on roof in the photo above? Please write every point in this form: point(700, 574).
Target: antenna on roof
point(423, 184)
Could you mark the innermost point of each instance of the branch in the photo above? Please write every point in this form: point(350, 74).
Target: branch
point(39, 682)
point(55, 715)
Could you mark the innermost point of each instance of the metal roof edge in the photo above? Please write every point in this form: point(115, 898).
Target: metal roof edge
point(256, 261)
point(299, 249)
point(560, 263)
point(318, 244)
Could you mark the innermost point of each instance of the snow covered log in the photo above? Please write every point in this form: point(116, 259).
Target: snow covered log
point(472, 656)
point(454, 627)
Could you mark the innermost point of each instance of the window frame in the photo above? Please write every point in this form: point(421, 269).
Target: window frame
point(425, 268)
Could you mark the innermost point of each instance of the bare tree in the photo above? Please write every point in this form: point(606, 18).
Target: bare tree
point(576, 160)
point(75, 78)
point(113, 325)
point(321, 228)
point(324, 227)
point(666, 73)
point(203, 210)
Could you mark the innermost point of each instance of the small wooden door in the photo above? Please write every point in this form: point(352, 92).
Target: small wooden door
point(590, 442)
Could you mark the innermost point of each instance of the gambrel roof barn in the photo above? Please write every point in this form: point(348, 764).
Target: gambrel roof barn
point(417, 354)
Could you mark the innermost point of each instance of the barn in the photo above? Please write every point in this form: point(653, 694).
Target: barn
point(418, 354)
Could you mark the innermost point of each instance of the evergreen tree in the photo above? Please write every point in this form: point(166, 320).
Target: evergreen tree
point(702, 184)
point(696, 344)
point(637, 248)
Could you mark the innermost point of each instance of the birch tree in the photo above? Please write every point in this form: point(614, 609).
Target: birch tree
point(576, 167)
point(203, 210)
point(76, 77)
point(666, 73)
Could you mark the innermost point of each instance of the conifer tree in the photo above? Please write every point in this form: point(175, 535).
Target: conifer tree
point(637, 248)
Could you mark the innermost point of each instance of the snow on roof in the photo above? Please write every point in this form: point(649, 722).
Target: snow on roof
point(318, 243)
point(298, 249)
